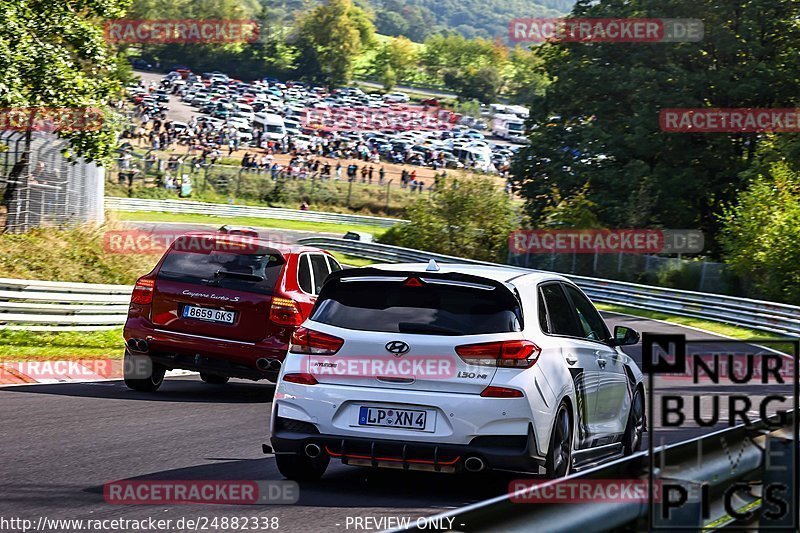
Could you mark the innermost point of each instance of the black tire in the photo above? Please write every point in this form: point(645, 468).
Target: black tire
point(213, 379)
point(559, 454)
point(632, 440)
point(133, 373)
point(298, 467)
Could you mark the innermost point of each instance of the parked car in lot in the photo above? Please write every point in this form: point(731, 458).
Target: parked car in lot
point(224, 304)
point(504, 370)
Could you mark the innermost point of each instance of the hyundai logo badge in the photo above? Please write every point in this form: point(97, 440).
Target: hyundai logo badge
point(398, 348)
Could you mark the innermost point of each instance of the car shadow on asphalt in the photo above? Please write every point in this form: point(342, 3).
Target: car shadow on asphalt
point(181, 390)
point(352, 486)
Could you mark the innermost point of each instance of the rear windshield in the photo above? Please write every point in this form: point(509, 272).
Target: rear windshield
point(211, 262)
point(434, 309)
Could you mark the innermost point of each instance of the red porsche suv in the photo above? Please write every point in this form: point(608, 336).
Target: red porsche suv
point(221, 303)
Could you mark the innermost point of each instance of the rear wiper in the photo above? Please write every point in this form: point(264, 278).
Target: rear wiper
point(411, 327)
point(220, 274)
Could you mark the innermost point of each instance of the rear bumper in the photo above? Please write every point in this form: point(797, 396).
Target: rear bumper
point(498, 452)
point(205, 354)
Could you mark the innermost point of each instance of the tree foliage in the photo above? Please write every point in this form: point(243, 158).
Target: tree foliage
point(761, 231)
point(470, 217)
point(53, 54)
point(599, 119)
point(330, 38)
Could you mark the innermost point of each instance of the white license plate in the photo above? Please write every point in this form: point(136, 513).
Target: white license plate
point(209, 315)
point(392, 418)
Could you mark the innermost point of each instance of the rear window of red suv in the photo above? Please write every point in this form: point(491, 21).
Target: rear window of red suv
point(228, 264)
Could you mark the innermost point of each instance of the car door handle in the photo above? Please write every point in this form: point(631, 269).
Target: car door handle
point(601, 362)
point(571, 359)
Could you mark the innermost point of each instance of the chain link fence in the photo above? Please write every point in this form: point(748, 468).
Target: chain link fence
point(138, 176)
point(51, 191)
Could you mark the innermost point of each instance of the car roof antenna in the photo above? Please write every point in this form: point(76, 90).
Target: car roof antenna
point(432, 266)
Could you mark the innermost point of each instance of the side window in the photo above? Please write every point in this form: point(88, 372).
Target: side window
point(591, 322)
point(304, 275)
point(333, 264)
point(320, 268)
point(559, 318)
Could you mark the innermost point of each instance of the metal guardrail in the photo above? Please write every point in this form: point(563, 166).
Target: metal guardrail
point(55, 306)
point(762, 457)
point(775, 318)
point(42, 305)
point(222, 210)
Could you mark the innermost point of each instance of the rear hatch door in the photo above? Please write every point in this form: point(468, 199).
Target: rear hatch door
point(217, 286)
point(401, 329)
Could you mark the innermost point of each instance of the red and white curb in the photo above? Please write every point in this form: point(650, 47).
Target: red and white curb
point(73, 371)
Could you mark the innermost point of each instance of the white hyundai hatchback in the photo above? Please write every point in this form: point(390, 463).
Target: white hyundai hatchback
point(455, 367)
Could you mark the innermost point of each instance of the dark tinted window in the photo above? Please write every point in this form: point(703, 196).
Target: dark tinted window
point(334, 264)
point(220, 263)
point(591, 322)
point(431, 309)
point(559, 314)
point(304, 274)
point(320, 267)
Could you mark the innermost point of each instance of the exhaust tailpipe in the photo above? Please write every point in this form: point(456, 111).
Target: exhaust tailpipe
point(139, 345)
point(474, 464)
point(313, 451)
point(268, 365)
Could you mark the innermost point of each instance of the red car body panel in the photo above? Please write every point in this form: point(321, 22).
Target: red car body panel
point(226, 349)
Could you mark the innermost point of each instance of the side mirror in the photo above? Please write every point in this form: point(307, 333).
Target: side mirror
point(624, 336)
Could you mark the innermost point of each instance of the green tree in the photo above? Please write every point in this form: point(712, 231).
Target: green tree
point(576, 211)
point(470, 217)
point(599, 118)
point(53, 54)
point(394, 61)
point(761, 231)
point(330, 38)
point(482, 84)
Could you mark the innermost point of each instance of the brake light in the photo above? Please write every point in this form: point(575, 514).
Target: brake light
point(508, 354)
point(413, 282)
point(500, 392)
point(143, 291)
point(303, 378)
point(284, 312)
point(310, 342)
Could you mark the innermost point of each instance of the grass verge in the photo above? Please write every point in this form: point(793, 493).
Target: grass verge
point(719, 328)
point(352, 260)
point(64, 345)
point(151, 216)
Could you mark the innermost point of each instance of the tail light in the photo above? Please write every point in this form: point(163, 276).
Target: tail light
point(310, 342)
point(509, 354)
point(285, 312)
point(143, 291)
point(500, 392)
point(303, 378)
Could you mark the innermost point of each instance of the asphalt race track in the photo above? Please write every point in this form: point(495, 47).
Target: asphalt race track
point(61, 443)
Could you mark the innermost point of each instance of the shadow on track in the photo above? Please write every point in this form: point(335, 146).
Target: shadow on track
point(182, 390)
